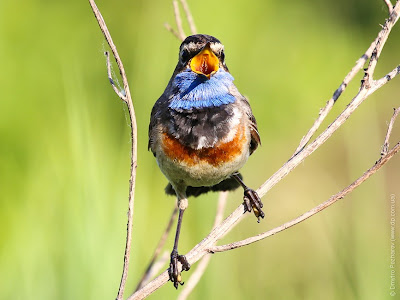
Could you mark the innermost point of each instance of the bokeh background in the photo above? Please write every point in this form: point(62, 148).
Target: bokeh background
point(64, 150)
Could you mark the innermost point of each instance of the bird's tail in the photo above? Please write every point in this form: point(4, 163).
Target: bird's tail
point(228, 184)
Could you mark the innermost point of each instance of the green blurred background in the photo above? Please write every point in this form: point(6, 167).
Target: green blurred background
point(64, 149)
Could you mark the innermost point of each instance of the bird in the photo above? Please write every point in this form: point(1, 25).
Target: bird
point(201, 132)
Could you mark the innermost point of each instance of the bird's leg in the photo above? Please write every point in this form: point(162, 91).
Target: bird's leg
point(251, 199)
point(174, 273)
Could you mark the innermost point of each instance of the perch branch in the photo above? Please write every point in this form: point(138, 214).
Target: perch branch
point(126, 97)
point(207, 245)
point(189, 17)
point(365, 90)
point(201, 267)
point(385, 147)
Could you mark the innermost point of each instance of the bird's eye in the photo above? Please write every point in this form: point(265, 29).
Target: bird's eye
point(184, 55)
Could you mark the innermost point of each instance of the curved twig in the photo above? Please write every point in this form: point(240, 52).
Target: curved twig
point(126, 97)
point(381, 162)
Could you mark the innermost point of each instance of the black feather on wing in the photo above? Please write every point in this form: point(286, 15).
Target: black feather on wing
point(228, 184)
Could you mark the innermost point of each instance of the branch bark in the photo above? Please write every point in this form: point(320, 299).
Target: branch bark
point(385, 147)
point(125, 96)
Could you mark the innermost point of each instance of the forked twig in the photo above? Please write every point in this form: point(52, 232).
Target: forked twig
point(381, 162)
point(178, 20)
point(180, 34)
point(126, 97)
point(170, 29)
point(189, 17)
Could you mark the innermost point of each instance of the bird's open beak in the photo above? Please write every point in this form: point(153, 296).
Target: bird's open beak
point(205, 62)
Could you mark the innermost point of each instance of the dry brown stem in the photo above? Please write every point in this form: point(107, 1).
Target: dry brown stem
point(385, 147)
point(125, 96)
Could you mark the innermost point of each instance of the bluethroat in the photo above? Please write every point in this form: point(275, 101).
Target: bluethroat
point(202, 131)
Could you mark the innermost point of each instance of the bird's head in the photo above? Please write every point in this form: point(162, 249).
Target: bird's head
point(202, 54)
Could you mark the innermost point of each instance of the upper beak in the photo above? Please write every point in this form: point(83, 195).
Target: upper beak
point(205, 62)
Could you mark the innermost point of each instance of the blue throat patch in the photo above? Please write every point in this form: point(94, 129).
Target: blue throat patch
point(197, 91)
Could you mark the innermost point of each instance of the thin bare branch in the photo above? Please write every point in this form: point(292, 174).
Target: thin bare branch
point(128, 100)
point(385, 147)
point(149, 270)
point(178, 20)
point(389, 5)
point(364, 92)
point(330, 103)
point(170, 29)
point(201, 267)
point(189, 17)
point(158, 265)
point(385, 79)
point(381, 162)
point(375, 48)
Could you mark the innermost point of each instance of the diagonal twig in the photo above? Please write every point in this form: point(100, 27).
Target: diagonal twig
point(189, 17)
point(170, 29)
point(389, 5)
point(338, 92)
point(178, 20)
point(126, 97)
point(381, 162)
point(385, 147)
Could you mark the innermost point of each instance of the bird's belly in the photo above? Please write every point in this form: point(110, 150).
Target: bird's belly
point(202, 167)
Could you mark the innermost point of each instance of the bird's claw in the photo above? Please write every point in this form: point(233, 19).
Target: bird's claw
point(253, 202)
point(173, 272)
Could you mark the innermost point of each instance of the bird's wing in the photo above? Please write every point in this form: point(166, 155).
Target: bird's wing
point(156, 114)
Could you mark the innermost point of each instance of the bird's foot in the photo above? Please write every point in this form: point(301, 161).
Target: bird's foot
point(174, 274)
point(253, 202)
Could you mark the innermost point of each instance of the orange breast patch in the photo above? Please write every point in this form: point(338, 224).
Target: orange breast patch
point(217, 155)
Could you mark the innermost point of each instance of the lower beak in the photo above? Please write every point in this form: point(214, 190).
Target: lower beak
point(205, 62)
